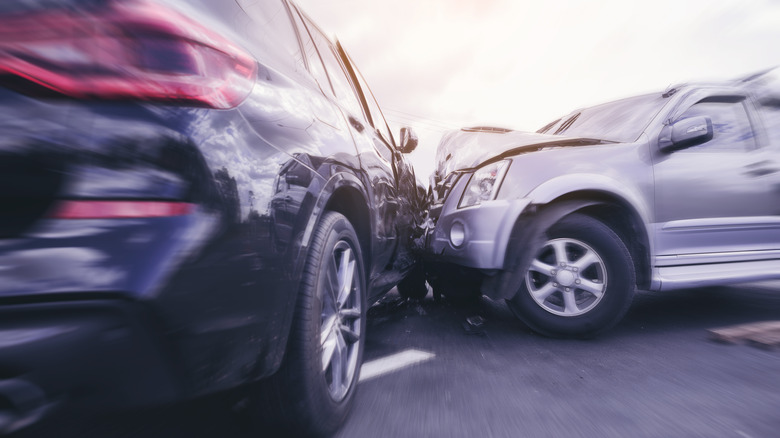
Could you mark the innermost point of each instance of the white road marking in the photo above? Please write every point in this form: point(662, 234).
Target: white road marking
point(394, 362)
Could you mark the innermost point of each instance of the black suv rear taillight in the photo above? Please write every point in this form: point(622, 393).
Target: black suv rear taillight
point(123, 50)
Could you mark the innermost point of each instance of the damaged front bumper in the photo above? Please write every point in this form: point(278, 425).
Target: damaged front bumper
point(474, 237)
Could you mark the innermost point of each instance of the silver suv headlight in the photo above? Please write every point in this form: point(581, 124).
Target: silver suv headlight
point(484, 184)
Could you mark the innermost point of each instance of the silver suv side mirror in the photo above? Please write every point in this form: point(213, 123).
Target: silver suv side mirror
point(685, 133)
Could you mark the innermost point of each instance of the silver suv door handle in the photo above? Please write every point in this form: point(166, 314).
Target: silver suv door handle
point(761, 168)
point(761, 171)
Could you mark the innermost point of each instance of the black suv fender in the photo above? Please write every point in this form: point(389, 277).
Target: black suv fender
point(341, 192)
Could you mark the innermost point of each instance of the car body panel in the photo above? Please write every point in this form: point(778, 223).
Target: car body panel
point(485, 248)
point(540, 177)
point(720, 200)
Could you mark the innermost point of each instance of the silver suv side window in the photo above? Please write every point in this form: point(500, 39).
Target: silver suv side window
point(730, 123)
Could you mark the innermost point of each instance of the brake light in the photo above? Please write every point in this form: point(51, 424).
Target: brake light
point(73, 209)
point(127, 49)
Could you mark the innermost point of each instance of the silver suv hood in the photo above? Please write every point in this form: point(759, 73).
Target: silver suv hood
point(467, 148)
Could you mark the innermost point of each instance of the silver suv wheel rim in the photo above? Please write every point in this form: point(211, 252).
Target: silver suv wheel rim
point(567, 278)
point(340, 322)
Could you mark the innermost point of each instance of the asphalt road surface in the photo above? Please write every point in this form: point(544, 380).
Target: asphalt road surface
point(657, 374)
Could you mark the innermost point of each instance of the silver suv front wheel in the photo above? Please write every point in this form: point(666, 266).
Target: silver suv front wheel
point(567, 277)
point(579, 283)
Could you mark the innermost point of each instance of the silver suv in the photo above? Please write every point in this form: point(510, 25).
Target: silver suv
point(663, 191)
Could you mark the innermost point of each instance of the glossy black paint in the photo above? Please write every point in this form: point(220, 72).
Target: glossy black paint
point(219, 284)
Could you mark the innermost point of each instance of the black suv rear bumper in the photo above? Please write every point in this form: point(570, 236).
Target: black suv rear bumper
point(95, 354)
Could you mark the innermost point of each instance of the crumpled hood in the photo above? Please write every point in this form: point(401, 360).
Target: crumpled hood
point(467, 148)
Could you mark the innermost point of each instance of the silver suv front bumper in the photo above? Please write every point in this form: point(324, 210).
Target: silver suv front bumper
point(475, 237)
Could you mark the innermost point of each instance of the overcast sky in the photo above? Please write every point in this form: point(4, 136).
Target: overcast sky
point(444, 64)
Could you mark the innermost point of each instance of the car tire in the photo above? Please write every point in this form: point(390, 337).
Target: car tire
point(413, 286)
point(580, 283)
point(311, 394)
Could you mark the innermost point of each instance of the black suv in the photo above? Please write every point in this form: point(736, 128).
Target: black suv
point(196, 195)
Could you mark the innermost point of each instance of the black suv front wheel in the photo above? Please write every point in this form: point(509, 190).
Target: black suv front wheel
point(580, 283)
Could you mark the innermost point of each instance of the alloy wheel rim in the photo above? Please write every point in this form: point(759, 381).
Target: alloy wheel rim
point(567, 278)
point(340, 321)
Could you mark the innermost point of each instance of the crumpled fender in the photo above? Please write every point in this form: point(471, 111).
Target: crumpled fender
point(528, 237)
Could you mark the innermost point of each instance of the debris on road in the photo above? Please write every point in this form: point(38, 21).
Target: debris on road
point(475, 321)
point(764, 334)
point(473, 325)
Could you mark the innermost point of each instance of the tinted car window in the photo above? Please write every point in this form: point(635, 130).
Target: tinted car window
point(342, 87)
point(384, 150)
point(312, 56)
point(376, 116)
point(730, 125)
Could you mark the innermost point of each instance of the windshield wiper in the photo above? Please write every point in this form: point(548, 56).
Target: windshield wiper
point(567, 124)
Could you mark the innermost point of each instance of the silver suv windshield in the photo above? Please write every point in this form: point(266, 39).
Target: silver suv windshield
point(621, 121)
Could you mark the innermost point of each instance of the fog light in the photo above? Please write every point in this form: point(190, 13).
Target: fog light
point(457, 234)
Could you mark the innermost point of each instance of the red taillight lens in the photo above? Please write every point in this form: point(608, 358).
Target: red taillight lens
point(119, 209)
point(129, 49)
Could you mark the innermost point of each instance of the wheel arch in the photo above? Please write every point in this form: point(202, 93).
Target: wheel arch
point(344, 193)
point(527, 235)
point(621, 216)
point(352, 203)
